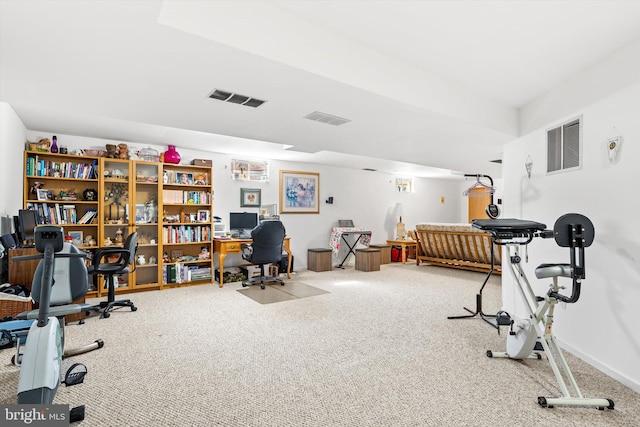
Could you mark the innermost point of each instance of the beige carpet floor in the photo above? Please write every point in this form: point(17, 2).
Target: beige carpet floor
point(375, 350)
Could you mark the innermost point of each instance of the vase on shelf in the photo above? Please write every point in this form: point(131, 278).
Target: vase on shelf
point(54, 145)
point(171, 155)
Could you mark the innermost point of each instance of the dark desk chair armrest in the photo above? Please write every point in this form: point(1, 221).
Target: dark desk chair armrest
point(247, 251)
point(100, 253)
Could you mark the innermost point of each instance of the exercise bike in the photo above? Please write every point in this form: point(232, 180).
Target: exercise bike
point(59, 279)
point(532, 337)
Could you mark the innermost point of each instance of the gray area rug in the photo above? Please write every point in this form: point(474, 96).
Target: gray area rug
point(278, 293)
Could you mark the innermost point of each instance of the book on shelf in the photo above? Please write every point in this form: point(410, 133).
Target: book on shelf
point(88, 216)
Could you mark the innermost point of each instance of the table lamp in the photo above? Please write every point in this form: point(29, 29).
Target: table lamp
point(400, 230)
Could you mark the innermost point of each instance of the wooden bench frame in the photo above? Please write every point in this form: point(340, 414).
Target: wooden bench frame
point(465, 250)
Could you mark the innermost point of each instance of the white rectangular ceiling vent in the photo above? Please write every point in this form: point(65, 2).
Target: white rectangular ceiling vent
point(235, 98)
point(326, 118)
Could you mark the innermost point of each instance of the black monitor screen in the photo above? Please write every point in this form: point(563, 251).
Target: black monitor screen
point(27, 223)
point(242, 220)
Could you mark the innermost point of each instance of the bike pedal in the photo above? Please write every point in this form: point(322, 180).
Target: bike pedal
point(76, 414)
point(75, 374)
point(503, 318)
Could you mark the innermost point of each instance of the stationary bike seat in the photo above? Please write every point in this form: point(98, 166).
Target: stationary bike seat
point(553, 270)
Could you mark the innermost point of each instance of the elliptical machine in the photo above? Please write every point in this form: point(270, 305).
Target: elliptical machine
point(41, 361)
point(532, 337)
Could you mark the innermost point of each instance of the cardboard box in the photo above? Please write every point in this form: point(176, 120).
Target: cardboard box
point(231, 275)
point(254, 270)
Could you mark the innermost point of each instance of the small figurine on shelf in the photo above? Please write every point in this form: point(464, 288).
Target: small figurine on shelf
point(152, 259)
point(123, 151)
point(119, 236)
point(108, 242)
point(141, 260)
point(90, 241)
point(35, 187)
point(204, 253)
point(112, 151)
point(165, 257)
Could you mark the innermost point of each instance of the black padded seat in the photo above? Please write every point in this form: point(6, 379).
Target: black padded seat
point(553, 270)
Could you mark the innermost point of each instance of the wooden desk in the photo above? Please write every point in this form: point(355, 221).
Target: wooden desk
point(403, 244)
point(232, 246)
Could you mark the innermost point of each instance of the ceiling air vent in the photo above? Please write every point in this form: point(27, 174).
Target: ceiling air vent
point(326, 118)
point(235, 98)
point(369, 170)
point(498, 161)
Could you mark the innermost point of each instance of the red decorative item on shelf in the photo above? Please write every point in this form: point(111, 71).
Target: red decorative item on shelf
point(171, 155)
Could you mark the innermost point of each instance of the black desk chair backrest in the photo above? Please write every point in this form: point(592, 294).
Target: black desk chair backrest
point(267, 247)
point(268, 242)
point(125, 257)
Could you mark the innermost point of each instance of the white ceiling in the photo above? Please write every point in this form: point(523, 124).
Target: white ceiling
point(429, 86)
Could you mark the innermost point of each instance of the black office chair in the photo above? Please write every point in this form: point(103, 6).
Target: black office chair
point(266, 248)
point(126, 257)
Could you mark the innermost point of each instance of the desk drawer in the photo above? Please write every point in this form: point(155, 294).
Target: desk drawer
point(232, 247)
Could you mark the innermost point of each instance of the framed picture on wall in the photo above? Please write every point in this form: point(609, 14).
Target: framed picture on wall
point(250, 197)
point(299, 192)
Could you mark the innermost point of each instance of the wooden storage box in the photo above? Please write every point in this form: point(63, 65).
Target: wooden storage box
point(385, 252)
point(202, 162)
point(319, 259)
point(368, 259)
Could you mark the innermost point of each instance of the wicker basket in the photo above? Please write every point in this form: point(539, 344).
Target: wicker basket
point(43, 145)
point(13, 307)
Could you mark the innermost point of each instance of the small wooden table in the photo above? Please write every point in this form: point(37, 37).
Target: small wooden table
point(403, 244)
point(233, 246)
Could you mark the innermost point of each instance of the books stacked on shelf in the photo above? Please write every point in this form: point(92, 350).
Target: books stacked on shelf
point(186, 233)
point(36, 167)
point(180, 197)
point(181, 273)
point(54, 213)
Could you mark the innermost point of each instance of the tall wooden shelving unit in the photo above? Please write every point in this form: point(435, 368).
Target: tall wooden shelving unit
point(187, 229)
point(130, 197)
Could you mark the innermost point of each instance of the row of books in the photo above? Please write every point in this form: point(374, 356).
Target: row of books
point(186, 197)
point(186, 233)
point(36, 167)
point(57, 213)
point(181, 273)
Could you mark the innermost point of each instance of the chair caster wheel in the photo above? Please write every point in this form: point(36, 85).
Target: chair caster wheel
point(244, 285)
point(106, 314)
point(262, 286)
point(134, 308)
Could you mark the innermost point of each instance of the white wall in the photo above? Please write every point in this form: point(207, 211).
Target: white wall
point(366, 197)
point(602, 327)
point(12, 139)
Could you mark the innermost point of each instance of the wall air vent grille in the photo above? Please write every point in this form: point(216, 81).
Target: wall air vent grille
point(235, 98)
point(326, 118)
point(369, 170)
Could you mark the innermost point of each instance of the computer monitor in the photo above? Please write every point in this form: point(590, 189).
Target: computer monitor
point(242, 222)
point(27, 222)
